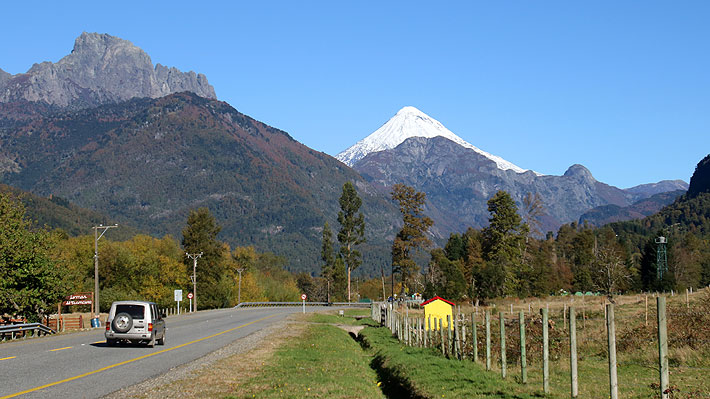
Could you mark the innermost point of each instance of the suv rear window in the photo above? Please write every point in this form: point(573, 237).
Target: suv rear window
point(136, 311)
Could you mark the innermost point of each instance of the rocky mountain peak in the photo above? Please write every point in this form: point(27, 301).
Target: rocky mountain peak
point(579, 171)
point(100, 69)
point(410, 122)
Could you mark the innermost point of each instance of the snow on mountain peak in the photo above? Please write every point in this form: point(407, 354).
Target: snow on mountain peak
point(411, 122)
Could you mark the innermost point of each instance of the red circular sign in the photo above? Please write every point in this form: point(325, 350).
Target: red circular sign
point(189, 295)
point(303, 296)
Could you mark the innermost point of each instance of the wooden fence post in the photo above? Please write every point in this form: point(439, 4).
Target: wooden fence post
point(523, 360)
point(646, 301)
point(503, 365)
point(662, 346)
point(463, 337)
point(427, 331)
point(545, 354)
point(564, 316)
point(573, 351)
point(474, 338)
point(457, 337)
point(611, 338)
point(488, 339)
point(449, 336)
point(441, 333)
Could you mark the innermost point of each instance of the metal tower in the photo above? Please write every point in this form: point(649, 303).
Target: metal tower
point(661, 257)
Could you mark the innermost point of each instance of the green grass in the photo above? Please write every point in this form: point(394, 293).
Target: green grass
point(426, 374)
point(347, 319)
point(324, 363)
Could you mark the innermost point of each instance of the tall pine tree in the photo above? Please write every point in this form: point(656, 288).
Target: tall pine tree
point(352, 229)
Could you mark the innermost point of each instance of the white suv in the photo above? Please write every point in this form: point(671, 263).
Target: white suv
point(135, 321)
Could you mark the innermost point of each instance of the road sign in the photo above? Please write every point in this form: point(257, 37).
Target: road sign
point(82, 298)
point(189, 295)
point(303, 297)
point(178, 295)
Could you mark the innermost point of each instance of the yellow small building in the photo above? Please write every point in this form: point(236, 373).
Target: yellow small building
point(436, 309)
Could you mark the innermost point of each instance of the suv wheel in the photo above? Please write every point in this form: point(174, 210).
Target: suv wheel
point(161, 341)
point(122, 323)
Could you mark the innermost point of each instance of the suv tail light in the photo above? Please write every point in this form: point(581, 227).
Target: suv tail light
point(150, 326)
point(108, 325)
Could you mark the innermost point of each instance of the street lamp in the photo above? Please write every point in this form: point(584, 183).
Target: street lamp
point(97, 237)
point(194, 278)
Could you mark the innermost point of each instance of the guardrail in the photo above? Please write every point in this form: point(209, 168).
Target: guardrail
point(279, 304)
point(35, 329)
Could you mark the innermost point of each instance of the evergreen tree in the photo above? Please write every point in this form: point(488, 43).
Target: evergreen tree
point(503, 242)
point(200, 235)
point(352, 229)
point(412, 236)
point(446, 279)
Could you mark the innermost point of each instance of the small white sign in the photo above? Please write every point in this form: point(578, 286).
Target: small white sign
point(303, 297)
point(178, 295)
point(189, 295)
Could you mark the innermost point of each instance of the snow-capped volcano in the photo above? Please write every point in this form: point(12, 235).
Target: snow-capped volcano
point(411, 122)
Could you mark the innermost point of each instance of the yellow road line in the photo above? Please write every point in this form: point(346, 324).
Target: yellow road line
point(60, 349)
point(8, 358)
point(99, 342)
point(132, 360)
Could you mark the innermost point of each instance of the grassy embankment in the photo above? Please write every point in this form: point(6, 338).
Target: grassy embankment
point(324, 362)
point(419, 372)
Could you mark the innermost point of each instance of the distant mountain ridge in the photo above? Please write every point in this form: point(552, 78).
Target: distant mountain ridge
point(100, 69)
point(605, 214)
point(459, 178)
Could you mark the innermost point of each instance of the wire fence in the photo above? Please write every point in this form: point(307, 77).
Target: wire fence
point(666, 355)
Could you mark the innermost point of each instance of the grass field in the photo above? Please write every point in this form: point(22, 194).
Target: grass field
point(324, 362)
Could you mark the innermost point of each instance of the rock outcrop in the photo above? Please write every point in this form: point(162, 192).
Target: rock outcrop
point(100, 69)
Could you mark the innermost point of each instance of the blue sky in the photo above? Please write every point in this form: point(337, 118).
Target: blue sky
point(621, 87)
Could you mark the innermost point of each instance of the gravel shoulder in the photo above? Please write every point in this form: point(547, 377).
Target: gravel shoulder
point(219, 373)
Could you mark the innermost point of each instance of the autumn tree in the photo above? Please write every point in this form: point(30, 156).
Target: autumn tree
point(352, 229)
point(412, 236)
point(30, 284)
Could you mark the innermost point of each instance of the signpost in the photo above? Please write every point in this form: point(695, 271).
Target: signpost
point(189, 296)
point(303, 298)
point(80, 298)
point(178, 299)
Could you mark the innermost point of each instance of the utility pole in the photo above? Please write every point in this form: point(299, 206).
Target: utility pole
point(194, 278)
point(240, 270)
point(97, 237)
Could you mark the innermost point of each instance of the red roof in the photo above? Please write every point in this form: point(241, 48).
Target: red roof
point(435, 298)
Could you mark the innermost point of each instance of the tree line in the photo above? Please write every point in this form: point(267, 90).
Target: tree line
point(39, 267)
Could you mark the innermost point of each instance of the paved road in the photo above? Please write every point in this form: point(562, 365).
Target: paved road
point(81, 365)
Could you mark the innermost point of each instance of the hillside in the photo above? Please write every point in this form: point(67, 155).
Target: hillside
point(56, 213)
point(148, 162)
point(605, 214)
point(690, 213)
